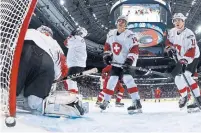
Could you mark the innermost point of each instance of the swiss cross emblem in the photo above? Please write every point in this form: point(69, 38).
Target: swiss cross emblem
point(116, 48)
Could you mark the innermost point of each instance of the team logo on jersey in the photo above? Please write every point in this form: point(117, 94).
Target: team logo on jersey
point(116, 47)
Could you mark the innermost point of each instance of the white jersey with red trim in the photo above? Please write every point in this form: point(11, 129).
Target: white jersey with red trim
point(49, 45)
point(77, 53)
point(122, 46)
point(185, 44)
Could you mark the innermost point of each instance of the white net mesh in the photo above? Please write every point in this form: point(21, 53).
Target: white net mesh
point(12, 15)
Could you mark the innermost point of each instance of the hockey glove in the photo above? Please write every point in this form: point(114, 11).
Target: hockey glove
point(171, 51)
point(184, 64)
point(73, 33)
point(128, 63)
point(107, 58)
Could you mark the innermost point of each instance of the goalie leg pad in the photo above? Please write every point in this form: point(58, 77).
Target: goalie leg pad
point(63, 104)
point(35, 103)
point(72, 86)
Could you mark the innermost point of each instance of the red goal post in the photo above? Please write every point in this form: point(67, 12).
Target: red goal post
point(15, 16)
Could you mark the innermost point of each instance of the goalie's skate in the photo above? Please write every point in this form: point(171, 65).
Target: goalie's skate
point(119, 104)
point(135, 108)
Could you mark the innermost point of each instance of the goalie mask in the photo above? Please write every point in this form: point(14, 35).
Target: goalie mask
point(80, 32)
point(46, 30)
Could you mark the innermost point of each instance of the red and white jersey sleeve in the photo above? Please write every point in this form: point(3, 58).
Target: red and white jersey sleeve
point(122, 46)
point(61, 68)
point(185, 44)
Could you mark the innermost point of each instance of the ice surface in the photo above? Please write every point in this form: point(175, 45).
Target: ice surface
point(156, 117)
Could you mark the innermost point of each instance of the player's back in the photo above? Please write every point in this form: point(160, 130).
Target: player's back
point(77, 54)
point(49, 45)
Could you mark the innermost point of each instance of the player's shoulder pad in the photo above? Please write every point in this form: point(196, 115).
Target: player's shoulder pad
point(189, 34)
point(171, 31)
point(129, 34)
point(111, 33)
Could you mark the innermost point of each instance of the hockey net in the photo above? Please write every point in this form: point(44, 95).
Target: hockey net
point(15, 16)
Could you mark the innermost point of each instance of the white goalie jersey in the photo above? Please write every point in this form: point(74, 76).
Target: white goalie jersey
point(49, 45)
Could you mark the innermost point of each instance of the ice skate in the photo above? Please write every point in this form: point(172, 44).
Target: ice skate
point(98, 103)
point(135, 108)
point(119, 104)
point(104, 105)
point(183, 101)
point(194, 107)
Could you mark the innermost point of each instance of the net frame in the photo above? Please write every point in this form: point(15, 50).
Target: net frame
point(11, 47)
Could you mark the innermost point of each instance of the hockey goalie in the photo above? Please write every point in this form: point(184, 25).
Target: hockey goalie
point(42, 64)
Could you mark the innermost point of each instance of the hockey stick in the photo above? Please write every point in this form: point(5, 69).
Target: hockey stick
point(148, 71)
point(186, 80)
point(93, 70)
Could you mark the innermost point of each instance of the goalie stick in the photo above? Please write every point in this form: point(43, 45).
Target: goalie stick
point(148, 71)
point(90, 71)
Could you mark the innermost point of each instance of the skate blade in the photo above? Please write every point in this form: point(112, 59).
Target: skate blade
point(119, 105)
point(193, 110)
point(102, 109)
point(97, 105)
point(131, 112)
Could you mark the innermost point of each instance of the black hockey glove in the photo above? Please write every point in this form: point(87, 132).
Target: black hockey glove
point(128, 63)
point(73, 33)
point(107, 58)
point(184, 64)
point(171, 51)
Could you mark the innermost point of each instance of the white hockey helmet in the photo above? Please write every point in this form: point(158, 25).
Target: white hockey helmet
point(81, 32)
point(46, 29)
point(122, 17)
point(178, 16)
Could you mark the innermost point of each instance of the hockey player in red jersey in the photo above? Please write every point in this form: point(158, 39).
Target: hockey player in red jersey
point(157, 94)
point(182, 42)
point(119, 88)
point(121, 51)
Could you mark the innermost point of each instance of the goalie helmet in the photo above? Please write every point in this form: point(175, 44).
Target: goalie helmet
point(80, 32)
point(45, 29)
point(178, 16)
point(122, 17)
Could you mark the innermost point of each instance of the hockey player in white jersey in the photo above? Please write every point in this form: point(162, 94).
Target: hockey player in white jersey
point(121, 48)
point(76, 56)
point(42, 62)
point(182, 42)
